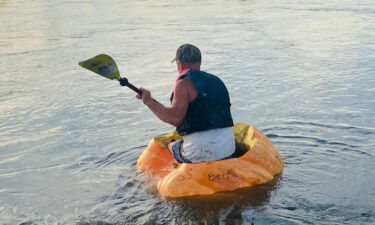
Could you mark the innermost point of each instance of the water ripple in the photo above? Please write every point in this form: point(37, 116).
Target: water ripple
point(69, 140)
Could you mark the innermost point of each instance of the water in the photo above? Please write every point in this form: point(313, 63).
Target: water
point(302, 71)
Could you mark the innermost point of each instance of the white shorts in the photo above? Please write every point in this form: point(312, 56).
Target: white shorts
point(210, 145)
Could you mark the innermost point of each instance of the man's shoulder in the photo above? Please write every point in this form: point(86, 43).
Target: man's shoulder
point(198, 73)
point(185, 85)
point(202, 74)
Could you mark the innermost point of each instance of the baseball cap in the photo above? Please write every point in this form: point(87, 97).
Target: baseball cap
point(188, 53)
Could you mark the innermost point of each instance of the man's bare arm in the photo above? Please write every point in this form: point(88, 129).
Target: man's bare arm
point(175, 114)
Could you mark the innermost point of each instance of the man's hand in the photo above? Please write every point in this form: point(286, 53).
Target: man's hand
point(184, 93)
point(145, 96)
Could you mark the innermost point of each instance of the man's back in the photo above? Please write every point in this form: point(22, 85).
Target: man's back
point(200, 111)
point(211, 107)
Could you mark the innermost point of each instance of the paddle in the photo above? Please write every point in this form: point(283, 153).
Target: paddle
point(105, 66)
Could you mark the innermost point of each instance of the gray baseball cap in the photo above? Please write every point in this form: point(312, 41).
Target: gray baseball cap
point(188, 53)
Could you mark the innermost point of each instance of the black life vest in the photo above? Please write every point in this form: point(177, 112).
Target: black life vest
point(210, 109)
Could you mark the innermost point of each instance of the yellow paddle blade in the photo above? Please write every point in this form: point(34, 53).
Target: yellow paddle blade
point(103, 65)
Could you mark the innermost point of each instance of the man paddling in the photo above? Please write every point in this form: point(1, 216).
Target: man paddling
point(200, 111)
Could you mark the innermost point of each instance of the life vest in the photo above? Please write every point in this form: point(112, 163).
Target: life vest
point(210, 109)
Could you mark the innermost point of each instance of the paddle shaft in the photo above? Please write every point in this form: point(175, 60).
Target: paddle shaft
point(124, 82)
point(129, 85)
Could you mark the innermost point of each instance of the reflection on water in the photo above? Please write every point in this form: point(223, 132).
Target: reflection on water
point(301, 71)
point(225, 207)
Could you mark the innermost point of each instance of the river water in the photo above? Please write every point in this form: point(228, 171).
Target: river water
point(302, 71)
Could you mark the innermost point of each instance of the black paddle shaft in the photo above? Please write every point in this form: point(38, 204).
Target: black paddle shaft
point(124, 82)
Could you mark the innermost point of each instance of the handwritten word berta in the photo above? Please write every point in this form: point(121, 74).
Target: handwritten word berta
point(222, 176)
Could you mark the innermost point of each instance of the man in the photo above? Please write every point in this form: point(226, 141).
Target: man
point(200, 111)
